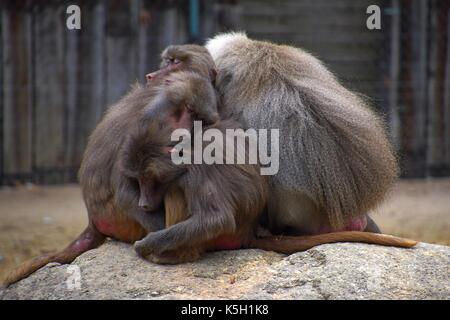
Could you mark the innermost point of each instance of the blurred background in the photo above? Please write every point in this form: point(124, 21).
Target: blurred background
point(56, 83)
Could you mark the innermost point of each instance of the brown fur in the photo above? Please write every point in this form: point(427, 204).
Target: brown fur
point(292, 244)
point(175, 206)
point(187, 89)
point(220, 200)
point(112, 199)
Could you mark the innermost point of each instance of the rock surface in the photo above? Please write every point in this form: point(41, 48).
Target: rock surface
point(333, 271)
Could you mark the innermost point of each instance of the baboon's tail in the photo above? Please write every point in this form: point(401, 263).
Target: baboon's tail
point(291, 244)
point(89, 239)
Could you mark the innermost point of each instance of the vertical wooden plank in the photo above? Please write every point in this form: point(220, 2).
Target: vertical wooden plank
point(440, 11)
point(16, 52)
point(71, 97)
point(412, 90)
point(143, 18)
point(151, 26)
point(434, 130)
point(168, 23)
point(394, 63)
point(173, 27)
point(446, 89)
point(2, 182)
point(49, 95)
point(419, 31)
point(91, 69)
point(208, 27)
point(227, 16)
point(98, 97)
point(120, 48)
point(135, 9)
point(144, 21)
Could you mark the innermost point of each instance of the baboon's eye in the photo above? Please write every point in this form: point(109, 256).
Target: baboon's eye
point(173, 60)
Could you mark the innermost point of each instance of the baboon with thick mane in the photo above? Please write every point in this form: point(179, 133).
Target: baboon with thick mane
point(336, 162)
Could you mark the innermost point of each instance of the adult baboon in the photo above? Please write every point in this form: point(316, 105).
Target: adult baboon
point(112, 199)
point(336, 162)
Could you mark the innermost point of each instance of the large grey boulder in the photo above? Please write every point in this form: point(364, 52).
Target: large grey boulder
point(333, 271)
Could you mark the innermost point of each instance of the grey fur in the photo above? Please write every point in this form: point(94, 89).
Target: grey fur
point(336, 161)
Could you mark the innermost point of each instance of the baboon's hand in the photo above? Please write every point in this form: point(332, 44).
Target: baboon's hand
point(153, 243)
point(143, 248)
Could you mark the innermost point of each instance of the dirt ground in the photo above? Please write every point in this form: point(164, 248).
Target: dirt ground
point(36, 220)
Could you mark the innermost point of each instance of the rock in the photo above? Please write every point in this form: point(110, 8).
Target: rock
point(47, 220)
point(332, 271)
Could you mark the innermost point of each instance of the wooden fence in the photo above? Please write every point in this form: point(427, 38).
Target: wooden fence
point(56, 83)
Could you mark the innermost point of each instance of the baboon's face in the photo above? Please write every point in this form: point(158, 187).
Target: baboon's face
point(184, 57)
point(147, 162)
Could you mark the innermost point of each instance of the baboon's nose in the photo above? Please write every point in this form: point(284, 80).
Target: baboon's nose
point(150, 76)
point(145, 207)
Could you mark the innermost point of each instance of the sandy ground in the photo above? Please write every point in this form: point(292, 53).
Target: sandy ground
point(36, 220)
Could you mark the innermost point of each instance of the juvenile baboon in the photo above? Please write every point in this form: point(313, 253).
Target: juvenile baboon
point(211, 206)
point(336, 162)
point(111, 199)
point(230, 214)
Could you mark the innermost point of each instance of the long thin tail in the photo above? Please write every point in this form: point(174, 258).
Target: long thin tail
point(89, 239)
point(291, 244)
